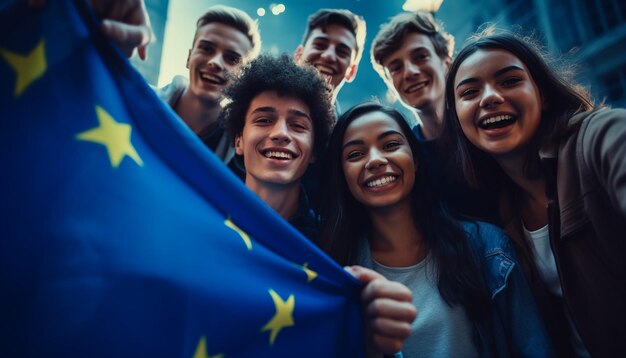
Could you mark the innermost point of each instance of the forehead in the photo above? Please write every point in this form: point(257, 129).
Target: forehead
point(485, 62)
point(370, 125)
point(411, 42)
point(335, 33)
point(225, 36)
point(271, 100)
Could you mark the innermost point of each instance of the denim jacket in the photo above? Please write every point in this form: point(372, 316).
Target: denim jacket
point(514, 328)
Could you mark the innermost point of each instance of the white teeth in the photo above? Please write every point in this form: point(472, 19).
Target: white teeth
point(325, 70)
point(415, 87)
point(380, 182)
point(281, 155)
point(206, 76)
point(496, 119)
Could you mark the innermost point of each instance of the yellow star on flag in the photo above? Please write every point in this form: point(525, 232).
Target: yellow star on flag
point(114, 136)
point(283, 317)
point(28, 68)
point(201, 350)
point(310, 274)
point(244, 236)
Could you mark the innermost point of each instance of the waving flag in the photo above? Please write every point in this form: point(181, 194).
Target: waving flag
point(122, 235)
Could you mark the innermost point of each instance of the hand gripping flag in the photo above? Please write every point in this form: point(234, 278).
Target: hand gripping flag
point(122, 235)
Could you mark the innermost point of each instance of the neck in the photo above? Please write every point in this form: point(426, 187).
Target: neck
point(197, 114)
point(396, 241)
point(283, 199)
point(533, 209)
point(432, 120)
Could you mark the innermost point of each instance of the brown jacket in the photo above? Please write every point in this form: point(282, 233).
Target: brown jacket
point(586, 188)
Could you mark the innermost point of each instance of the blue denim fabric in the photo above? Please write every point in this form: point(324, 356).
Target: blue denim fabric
point(514, 328)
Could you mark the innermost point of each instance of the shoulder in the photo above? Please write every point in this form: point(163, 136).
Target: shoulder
point(607, 124)
point(486, 238)
point(172, 91)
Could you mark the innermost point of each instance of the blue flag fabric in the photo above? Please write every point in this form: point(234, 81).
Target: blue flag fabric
point(121, 235)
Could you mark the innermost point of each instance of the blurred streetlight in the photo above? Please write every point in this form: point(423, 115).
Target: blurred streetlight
point(277, 9)
point(260, 11)
point(424, 5)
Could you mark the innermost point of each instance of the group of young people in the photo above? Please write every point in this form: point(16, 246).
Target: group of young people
point(505, 137)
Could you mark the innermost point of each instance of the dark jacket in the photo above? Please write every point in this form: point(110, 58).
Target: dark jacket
point(585, 173)
point(587, 220)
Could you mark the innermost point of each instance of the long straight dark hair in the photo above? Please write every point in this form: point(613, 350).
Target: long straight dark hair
point(345, 220)
point(561, 98)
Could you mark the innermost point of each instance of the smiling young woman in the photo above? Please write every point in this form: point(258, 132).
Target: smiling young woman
point(520, 127)
point(379, 211)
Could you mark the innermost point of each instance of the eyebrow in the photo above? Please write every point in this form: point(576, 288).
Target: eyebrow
point(381, 136)
point(293, 112)
point(496, 74)
point(209, 42)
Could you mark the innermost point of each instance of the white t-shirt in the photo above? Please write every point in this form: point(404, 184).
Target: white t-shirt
point(439, 330)
point(544, 260)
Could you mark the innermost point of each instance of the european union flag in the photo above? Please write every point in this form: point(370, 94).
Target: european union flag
point(121, 235)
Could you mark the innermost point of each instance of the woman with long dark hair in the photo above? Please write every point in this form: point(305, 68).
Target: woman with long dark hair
point(521, 127)
point(379, 212)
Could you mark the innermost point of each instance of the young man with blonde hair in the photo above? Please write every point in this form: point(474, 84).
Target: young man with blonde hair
point(225, 38)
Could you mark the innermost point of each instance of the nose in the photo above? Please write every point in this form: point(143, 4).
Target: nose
point(375, 160)
point(216, 62)
point(411, 70)
point(280, 132)
point(491, 97)
point(329, 54)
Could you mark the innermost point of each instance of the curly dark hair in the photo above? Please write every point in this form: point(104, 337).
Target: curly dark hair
point(283, 75)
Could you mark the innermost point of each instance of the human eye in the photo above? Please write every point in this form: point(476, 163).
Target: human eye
point(344, 52)
point(299, 126)
point(232, 59)
point(510, 81)
point(353, 155)
point(467, 93)
point(262, 120)
point(392, 145)
point(319, 45)
point(421, 56)
point(394, 67)
point(204, 46)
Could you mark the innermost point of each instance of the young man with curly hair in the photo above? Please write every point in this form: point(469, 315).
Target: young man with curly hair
point(280, 118)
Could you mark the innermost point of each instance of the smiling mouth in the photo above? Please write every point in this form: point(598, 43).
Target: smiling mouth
point(212, 78)
point(325, 70)
point(415, 87)
point(279, 155)
point(380, 181)
point(495, 122)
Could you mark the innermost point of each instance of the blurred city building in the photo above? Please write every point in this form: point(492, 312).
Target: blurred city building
point(157, 10)
point(591, 33)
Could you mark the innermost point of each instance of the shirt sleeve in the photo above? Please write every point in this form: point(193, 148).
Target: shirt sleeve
point(603, 149)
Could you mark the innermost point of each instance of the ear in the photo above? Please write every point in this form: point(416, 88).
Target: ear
point(351, 73)
point(313, 158)
point(238, 145)
point(188, 56)
point(298, 54)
